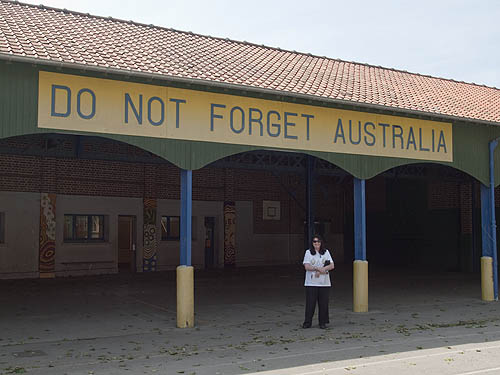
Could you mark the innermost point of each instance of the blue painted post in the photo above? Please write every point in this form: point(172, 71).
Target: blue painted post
point(309, 200)
point(359, 219)
point(360, 264)
point(487, 278)
point(485, 221)
point(186, 214)
point(493, 145)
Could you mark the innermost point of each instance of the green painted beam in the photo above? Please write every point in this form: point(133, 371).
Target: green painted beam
point(18, 116)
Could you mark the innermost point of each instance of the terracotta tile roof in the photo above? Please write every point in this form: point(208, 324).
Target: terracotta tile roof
point(55, 35)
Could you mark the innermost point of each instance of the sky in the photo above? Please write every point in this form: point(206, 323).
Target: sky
point(456, 39)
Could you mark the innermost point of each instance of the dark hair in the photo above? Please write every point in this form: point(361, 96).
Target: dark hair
point(321, 249)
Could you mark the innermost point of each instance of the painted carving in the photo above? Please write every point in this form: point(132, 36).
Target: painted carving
point(47, 243)
point(229, 234)
point(149, 251)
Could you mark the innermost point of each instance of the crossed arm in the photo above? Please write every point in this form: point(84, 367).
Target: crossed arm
point(323, 270)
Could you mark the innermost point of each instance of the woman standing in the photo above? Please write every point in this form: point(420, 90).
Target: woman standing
point(317, 262)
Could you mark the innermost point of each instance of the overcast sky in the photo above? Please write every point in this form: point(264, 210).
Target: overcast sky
point(457, 39)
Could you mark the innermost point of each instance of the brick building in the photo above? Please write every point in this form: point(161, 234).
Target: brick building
point(102, 120)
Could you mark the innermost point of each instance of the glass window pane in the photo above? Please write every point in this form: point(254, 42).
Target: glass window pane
point(97, 230)
point(82, 230)
point(175, 229)
point(164, 227)
point(68, 227)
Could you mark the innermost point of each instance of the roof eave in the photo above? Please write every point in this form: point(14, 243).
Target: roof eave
point(232, 86)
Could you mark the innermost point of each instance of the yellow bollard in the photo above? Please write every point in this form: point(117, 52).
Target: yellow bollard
point(487, 291)
point(360, 286)
point(185, 296)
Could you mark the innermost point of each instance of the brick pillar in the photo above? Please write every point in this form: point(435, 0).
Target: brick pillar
point(229, 219)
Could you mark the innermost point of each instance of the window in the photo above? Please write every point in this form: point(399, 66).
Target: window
point(171, 228)
point(83, 228)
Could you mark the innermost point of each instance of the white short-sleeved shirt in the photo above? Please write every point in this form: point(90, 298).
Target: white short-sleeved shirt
point(317, 260)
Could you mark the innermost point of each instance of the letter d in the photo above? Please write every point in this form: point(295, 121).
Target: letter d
point(53, 101)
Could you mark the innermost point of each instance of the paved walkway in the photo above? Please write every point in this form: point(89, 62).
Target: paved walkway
point(248, 321)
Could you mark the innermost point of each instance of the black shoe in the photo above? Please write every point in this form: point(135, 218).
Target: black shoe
point(306, 325)
point(322, 326)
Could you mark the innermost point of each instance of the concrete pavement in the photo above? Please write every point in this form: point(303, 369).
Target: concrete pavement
point(248, 321)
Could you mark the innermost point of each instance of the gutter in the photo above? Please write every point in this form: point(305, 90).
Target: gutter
point(232, 86)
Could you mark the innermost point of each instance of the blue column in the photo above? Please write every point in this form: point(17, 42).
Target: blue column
point(359, 220)
point(486, 221)
point(309, 200)
point(493, 144)
point(186, 214)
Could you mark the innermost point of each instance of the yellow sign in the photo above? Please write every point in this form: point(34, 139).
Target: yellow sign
point(69, 102)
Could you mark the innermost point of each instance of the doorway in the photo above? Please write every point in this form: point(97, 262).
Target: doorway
point(126, 244)
point(209, 242)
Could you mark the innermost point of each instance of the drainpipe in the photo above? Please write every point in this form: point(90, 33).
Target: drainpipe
point(493, 145)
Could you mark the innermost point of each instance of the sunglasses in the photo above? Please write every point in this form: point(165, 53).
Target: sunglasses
point(316, 241)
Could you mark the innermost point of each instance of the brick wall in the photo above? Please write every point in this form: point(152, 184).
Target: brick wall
point(332, 198)
point(449, 195)
point(20, 173)
point(125, 179)
point(466, 208)
point(100, 178)
point(443, 195)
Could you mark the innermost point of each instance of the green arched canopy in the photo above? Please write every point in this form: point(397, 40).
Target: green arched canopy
point(19, 111)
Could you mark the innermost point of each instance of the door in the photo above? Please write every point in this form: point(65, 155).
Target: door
point(209, 242)
point(126, 243)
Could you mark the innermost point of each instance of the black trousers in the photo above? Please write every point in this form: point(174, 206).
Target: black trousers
point(319, 295)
